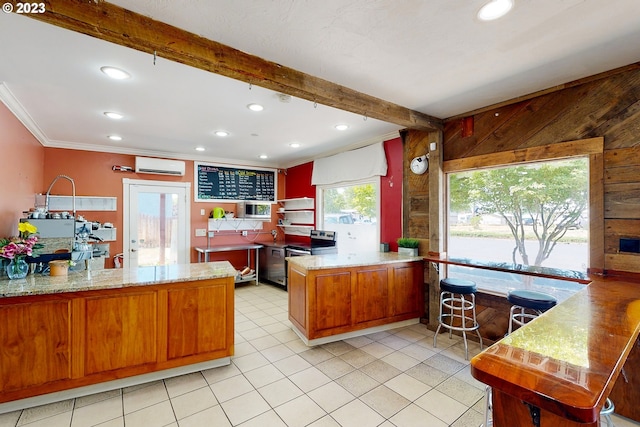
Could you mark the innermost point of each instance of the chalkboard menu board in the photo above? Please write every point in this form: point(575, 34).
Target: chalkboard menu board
point(233, 183)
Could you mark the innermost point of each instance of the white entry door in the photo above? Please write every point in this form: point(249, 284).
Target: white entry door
point(156, 230)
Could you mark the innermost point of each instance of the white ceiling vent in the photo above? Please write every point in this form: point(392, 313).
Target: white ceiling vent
point(160, 166)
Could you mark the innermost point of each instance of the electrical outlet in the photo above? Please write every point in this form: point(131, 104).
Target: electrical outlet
point(201, 232)
point(201, 211)
point(244, 233)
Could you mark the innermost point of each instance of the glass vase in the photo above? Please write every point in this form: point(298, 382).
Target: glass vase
point(17, 268)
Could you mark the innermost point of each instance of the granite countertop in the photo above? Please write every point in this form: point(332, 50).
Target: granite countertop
point(318, 262)
point(76, 281)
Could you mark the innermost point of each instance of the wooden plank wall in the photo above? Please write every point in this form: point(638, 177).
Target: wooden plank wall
point(415, 210)
point(608, 107)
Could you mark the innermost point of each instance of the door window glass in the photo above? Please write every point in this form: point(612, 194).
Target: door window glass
point(157, 229)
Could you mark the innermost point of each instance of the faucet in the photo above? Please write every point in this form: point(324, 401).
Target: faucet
point(73, 189)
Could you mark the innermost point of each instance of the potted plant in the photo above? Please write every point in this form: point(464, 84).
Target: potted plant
point(408, 246)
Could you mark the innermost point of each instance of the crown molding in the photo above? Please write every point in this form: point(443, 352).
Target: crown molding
point(9, 99)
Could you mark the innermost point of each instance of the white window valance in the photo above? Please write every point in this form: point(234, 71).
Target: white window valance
point(351, 165)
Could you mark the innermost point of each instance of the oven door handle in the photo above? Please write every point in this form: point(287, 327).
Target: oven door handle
point(297, 252)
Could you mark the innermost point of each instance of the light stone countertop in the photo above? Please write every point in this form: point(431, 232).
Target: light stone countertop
point(319, 262)
point(76, 281)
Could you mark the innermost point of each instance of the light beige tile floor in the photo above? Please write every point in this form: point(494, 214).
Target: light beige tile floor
point(386, 379)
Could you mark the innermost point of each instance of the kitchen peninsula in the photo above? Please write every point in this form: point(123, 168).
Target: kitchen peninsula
point(92, 331)
point(333, 297)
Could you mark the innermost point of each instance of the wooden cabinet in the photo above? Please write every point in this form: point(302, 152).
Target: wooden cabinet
point(342, 300)
point(121, 331)
point(330, 300)
point(371, 295)
point(57, 342)
point(405, 290)
point(198, 321)
point(34, 343)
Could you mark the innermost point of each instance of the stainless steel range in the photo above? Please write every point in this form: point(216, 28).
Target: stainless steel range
point(322, 242)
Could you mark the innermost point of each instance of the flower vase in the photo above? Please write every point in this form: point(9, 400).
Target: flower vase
point(4, 262)
point(17, 268)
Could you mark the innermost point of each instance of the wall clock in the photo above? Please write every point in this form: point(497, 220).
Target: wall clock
point(420, 164)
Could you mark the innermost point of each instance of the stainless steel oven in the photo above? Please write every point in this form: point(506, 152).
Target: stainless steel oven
point(297, 251)
point(321, 243)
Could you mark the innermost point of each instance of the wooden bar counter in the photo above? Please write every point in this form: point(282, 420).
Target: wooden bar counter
point(559, 369)
point(333, 297)
point(91, 331)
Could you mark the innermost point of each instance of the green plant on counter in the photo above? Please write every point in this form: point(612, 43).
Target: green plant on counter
point(408, 242)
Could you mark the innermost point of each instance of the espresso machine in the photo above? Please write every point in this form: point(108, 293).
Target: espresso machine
point(57, 232)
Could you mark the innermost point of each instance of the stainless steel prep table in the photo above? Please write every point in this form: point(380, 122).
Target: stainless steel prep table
point(228, 248)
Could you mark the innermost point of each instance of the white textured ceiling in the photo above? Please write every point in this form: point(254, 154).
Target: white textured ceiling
point(432, 56)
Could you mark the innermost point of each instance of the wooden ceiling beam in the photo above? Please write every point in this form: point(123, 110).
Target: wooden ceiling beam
point(121, 26)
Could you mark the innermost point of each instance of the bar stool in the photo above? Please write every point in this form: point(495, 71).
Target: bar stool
point(606, 412)
point(527, 305)
point(459, 298)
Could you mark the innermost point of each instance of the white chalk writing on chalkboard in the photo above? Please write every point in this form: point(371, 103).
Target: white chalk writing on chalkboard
point(233, 183)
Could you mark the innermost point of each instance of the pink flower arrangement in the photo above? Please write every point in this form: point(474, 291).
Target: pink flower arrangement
point(23, 245)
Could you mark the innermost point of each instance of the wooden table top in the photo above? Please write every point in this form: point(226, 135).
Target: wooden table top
point(567, 360)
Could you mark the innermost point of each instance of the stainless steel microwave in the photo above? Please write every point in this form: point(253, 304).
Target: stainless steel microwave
point(254, 210)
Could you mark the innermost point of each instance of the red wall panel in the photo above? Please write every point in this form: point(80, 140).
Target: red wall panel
point(391, 195)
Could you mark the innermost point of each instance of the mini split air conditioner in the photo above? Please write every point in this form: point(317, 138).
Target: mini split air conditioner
point(160, 166)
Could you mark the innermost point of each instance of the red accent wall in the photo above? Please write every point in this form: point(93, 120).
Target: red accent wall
point(299, 182)
point(391, 195)
point(22, 171)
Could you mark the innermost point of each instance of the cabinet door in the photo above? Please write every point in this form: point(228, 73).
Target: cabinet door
point(297, 286)
point(371, 296)
point(405, 295)
point(198, 320)
point(332, 301)
point(121, 331)
point(34, 344)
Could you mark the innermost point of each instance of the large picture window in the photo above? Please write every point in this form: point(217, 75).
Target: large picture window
point(532, 214)
point(540, 206)
point(351, 210)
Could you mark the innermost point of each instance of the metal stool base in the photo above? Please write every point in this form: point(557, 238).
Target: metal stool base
point(463, 308)
point(522, 316)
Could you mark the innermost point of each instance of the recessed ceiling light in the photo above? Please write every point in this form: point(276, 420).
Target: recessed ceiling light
point(263, 156)
point(112, 115)
point(115, 137)
point(200, 148)
point(342, 127)
point(294, 145)
point(115, 73)
point(221, 133)
point(255, 107)
point(494, 9)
